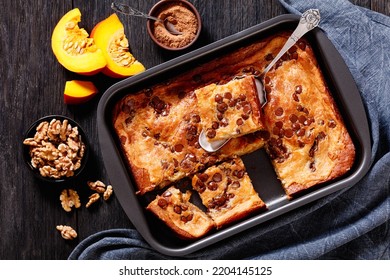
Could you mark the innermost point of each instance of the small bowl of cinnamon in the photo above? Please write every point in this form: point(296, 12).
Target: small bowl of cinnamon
point(180, 15)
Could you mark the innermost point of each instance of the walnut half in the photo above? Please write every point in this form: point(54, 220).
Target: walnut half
point(67, 232)
point(69, 198)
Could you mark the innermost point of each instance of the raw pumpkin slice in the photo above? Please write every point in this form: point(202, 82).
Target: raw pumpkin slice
point(109, 36)
point(77, 92)
point(73, 48)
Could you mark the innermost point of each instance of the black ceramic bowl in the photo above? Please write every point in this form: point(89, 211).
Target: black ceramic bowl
point(26, 149)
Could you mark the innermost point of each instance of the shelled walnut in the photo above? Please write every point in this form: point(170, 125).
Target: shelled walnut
point(97, 186)
point(92, 199)
point(69, 198)
point(56, 149)
point(108, 192)
point(67, 232)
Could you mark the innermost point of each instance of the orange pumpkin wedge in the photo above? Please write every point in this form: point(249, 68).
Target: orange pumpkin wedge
point(77, 92)
point(73, 48)
point(109, 36)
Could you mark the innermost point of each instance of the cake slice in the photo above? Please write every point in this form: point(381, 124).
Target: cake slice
point(183, 217)
point(309, 143)
point(227, 192)
point(229, 110)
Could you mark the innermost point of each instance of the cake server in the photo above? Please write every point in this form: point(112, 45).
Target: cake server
point(308, 21)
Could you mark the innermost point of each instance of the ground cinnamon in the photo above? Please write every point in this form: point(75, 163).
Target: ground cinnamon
point(184, 21)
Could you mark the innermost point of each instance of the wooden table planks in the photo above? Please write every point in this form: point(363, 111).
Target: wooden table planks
point(32, 84)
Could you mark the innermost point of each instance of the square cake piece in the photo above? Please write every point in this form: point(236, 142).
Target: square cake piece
point(183, 217)
point(227, 192)
point(229, 110)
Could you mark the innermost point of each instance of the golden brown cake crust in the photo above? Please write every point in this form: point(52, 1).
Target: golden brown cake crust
point(227, 192)
point(180, 215)
point(229, 110)
point(309, 143)
point(159, 126)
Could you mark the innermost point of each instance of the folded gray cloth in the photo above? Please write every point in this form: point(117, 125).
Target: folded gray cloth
point(350, 224)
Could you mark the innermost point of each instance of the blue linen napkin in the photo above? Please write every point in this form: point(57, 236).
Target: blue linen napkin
point(350, 224)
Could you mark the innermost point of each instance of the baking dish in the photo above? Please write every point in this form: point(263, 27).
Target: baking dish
point(341, 85)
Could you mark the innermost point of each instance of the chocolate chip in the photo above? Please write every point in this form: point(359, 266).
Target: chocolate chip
point(211, 133)
point(190, 217)
point(217, 177)
point(219, 116)
point(218, 98)
point(313, 148)
point(247, 109)
point(242, 97)
point(295, 97)
point(293, 49)
point(288, 133)
point(196, 118)
point(239, 121)
point(294, 56)
point(302, 45)
point(179, 148)
point(232, 103)
point(279, 124)
point(285, 56)
point(239, 173)
point(228, 95)
point(162, 203)
point(295, 126)
point(123, 139)
point(267, 80)
point(301, 132)
point(224, 122)
point(245, 116)
point(222, 107)
point(298, 89)
point(215, 125)
point(269, 57)
point(203, 177)
point(321, 135)
point(332, 124)
point(279, 111)
point(177, 209)
point(293, 118)
point(302, 119)
point(212, 186)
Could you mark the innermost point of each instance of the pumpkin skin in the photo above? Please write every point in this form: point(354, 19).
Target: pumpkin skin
point(73, 48)
point(78, 92)
point(110, 38)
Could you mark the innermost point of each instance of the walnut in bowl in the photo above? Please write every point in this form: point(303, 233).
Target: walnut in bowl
point(55, 148)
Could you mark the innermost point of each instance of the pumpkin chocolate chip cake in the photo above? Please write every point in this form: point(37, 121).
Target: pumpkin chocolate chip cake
point(300, 127)
point(229, 110)
point(309, 143)
point(227, 192)
point(177, 212)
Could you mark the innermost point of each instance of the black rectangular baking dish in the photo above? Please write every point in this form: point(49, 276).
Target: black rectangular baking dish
point(344, 92)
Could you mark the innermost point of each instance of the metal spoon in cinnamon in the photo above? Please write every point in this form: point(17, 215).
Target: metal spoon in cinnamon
point(129, 11)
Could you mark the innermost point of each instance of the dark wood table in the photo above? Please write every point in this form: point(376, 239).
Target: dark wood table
point(32, 85)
